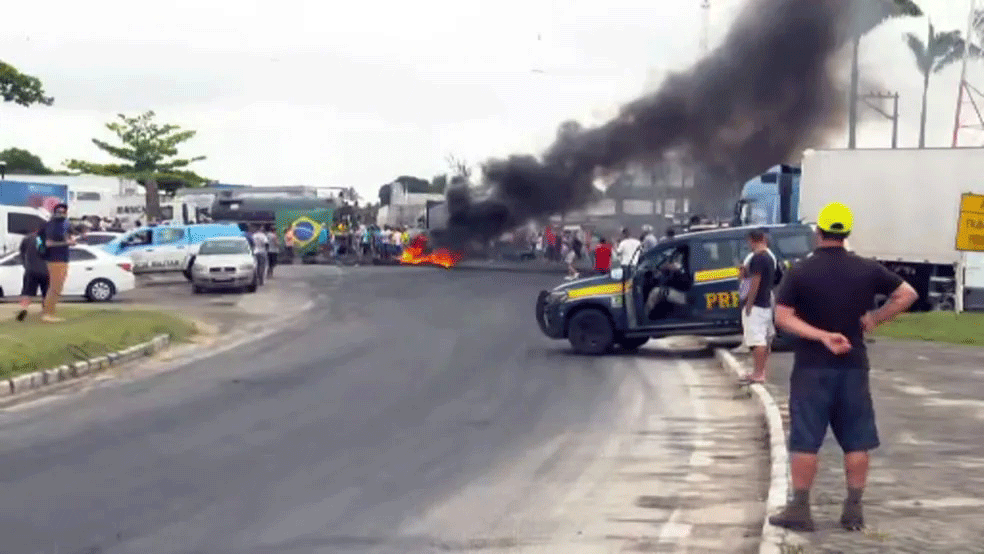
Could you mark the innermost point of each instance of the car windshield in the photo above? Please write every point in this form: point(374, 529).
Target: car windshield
point(224, 247)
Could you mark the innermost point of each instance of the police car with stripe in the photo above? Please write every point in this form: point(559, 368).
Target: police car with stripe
point(685, 286)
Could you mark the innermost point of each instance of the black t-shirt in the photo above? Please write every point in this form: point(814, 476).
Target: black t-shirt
point(831, 290)
point(55, 231)
point(764, 266)
point(31, 257)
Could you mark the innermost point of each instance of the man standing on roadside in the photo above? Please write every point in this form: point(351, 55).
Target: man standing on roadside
point(55, 239)
point(745, 286)
point(824, 300)
point(35, 272)
point(260, 244)
point(757, 318)
point(273, 249)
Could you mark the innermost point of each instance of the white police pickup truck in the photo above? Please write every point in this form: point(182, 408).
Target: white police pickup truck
point(165, 248)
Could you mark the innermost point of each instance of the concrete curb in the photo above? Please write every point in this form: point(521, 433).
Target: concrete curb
point(774, 539)
point(46, 377)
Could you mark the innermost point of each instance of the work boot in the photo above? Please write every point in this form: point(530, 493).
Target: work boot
point(796, 515)
point(852, 518)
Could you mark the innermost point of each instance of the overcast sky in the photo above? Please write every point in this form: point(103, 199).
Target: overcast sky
point(333, 93)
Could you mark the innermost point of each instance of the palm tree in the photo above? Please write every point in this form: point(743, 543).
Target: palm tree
point(932, 56)
point(868, 15)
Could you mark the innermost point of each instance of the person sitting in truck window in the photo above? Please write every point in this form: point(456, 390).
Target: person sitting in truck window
point(673, 281)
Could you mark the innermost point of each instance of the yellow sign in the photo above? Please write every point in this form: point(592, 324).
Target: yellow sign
point(722, 300)
point(970, 226)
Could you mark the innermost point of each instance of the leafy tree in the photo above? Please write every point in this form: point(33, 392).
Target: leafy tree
point(932, 56)
point(21, 88)
point(150, 151)
point(869, 14)
point(439, 184)
point(460, 170)
point(24, 162)
point(385, 192)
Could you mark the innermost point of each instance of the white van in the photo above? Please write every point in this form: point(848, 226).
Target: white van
point(16, 222)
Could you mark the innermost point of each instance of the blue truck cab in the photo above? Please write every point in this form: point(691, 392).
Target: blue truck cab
point(164, 248)
point(771, 198)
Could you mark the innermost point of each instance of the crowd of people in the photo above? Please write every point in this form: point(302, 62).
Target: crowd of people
point(577, 247)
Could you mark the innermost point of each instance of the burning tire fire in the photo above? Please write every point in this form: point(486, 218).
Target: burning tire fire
point(416, 253)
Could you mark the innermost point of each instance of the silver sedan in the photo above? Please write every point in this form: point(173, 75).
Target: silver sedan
point(224, 263)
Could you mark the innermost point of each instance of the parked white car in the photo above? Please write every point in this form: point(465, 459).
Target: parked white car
point(92, 273)
point(224, 263)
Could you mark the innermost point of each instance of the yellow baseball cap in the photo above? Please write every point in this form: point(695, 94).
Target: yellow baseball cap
point(836, 218)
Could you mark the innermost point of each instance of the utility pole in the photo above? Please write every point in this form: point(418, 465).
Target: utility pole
point(894, 116)
point(705, 26)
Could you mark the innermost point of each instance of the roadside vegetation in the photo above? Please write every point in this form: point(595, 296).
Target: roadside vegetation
point(86, 333)
point(949, 327)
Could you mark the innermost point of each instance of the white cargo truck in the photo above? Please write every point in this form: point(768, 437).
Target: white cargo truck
point(906, 205)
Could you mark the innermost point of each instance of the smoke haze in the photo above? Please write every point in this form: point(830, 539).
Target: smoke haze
point(764, 94)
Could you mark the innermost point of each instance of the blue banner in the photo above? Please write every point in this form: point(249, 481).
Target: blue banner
point(34, 195)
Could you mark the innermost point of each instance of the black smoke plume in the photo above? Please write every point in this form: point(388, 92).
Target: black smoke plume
point(763, 95)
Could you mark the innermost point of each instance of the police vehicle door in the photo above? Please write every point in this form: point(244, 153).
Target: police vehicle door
point(714, 263)
point(137, 246)
point(645, 282)
point(169, 249)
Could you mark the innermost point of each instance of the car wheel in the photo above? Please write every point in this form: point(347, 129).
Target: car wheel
point(252, 287)
point(632, 344)
point(195, 289)
point(590, 332)
point(100, 290)
point(187, 271)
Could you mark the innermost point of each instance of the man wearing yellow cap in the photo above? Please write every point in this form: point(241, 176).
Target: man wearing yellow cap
point(825, 301)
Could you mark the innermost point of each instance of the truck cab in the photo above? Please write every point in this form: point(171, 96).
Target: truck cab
point(771, 198)
point(164, 248)
point(685, 286)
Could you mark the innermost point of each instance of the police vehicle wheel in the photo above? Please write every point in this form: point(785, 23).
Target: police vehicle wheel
point(100, 290)
point(590, 332)
point(634, 343)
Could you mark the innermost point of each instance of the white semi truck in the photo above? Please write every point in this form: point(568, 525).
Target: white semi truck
point(906, 205)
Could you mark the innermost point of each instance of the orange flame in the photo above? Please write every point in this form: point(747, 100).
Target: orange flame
point(416, 254)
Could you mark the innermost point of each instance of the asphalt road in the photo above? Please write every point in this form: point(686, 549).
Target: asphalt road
point(413, 410)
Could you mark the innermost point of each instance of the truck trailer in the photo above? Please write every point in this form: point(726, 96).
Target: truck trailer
point(905, 203)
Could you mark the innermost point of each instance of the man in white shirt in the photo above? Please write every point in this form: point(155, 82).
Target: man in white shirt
point(260, 248)
point(628, 248)
point(649, 240)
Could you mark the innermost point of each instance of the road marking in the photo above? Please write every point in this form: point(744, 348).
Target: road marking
point(936, 503)
point(673, 530)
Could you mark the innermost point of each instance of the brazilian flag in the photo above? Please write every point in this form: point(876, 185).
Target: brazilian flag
point(309, 228)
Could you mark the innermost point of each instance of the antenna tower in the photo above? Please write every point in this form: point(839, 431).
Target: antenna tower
point(967, 93)
point(705, 26)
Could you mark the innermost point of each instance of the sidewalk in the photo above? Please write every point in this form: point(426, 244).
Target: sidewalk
point(926, 487)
